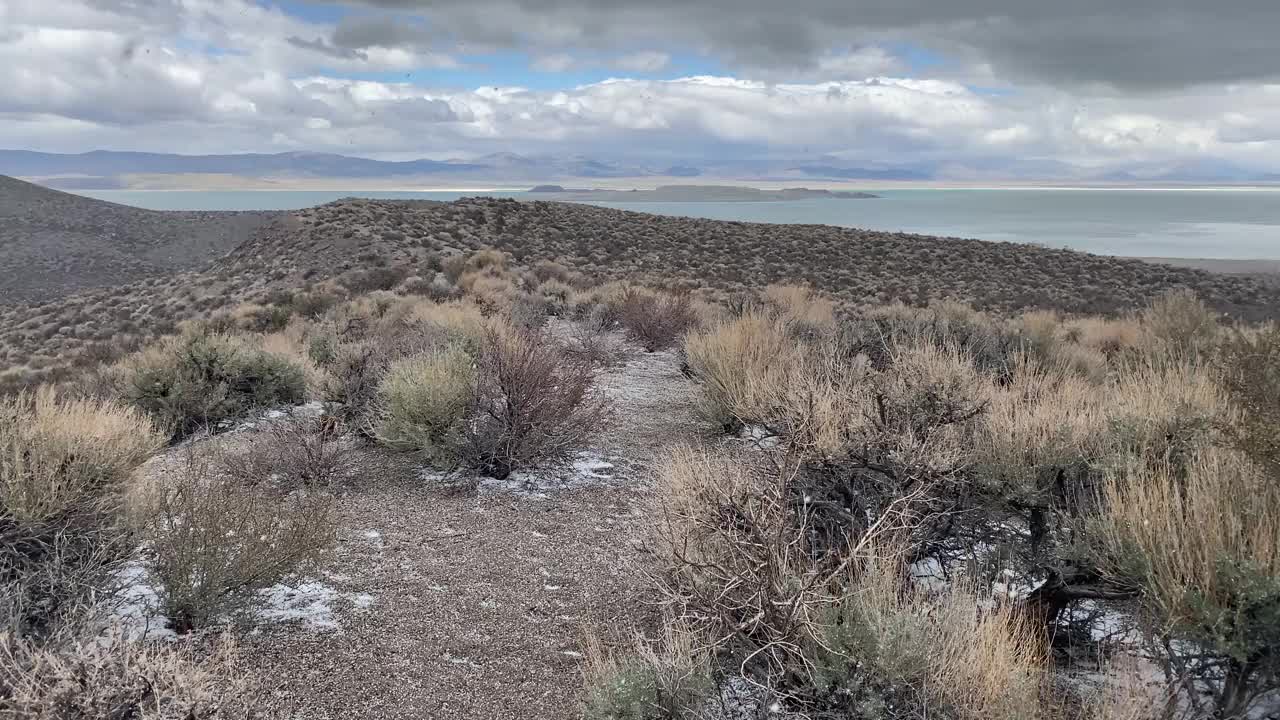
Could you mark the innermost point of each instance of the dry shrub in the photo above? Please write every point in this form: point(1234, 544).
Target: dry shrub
point(293, 453)
point(295, 344)
point(1165, 410)
point(213, 541)
point(56, 453)
point(667, 678)
point(591, 339)
point(556, 296)
point(1109, 336)
point(1043, 428)
point(1201, 542)
point(199, 380)
point(462, 321)
point(494, 292)
point(117, 677)
point(423, 401)
point(925, 402)
point(801, 308)
point(990, 343)
point(907, 653)
point(655, 320)
point(1248, 369)
point(737, 557)
point(1180, 325)
point(1126, 694)
point(62, 462)
point(740, 364)
point(532, 401)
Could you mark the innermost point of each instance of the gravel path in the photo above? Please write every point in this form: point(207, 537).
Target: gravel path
point(479, 601)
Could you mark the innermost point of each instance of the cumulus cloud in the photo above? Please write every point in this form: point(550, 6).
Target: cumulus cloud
point(1133, 44)
point(1069, 85)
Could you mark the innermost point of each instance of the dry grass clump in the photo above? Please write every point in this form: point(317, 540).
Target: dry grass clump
point(740, 365)
point(213, 541)
point(198, 380)
point(532, 401)
point(1201, 542)
point(115, 677)
point(1165, 410)
point(423, 401)
point(801, 307)
point(62, 462)
point(58, 452)
point(1180, 324)
point(1044, 430)
point(662, 679)
point(897, 652)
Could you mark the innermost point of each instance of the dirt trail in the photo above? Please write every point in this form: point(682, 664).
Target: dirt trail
point(479, 600)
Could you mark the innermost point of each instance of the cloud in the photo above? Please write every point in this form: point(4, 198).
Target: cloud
point(803, 80)
point(1138, 44)
point(643, 62)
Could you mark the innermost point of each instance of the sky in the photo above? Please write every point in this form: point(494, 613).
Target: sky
point(962, 88)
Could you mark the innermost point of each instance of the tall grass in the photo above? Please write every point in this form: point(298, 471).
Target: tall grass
point(55, 452)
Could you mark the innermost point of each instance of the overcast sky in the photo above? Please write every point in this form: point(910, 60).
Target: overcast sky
point(973, 87)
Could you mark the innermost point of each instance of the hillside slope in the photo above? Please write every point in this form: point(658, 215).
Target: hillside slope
point(856, 266)
point(53, 243)
point(368, 244)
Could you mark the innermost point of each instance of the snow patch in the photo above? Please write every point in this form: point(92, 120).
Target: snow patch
point(137, 612)
point(759, 436)
point(587, 468)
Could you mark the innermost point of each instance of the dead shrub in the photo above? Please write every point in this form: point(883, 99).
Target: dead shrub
point(213, 541)
point(532, 401)
point(805, 312)
point(300, 452)
point(737, 559)
point(62, 462)
point(655, 320)
point(116, 677)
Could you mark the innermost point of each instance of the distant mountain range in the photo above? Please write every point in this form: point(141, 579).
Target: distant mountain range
point(102, 169)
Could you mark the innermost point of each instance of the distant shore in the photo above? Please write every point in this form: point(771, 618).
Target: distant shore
point(197, 182)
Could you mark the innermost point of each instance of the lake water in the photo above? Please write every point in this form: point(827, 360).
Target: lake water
point(1217, 223)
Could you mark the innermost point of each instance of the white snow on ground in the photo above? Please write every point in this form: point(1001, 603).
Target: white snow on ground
point(585, 469)
point(311, 602)
point(759, 436)
point(136, 613)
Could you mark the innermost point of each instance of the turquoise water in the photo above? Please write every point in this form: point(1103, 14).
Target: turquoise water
point(1215, 223)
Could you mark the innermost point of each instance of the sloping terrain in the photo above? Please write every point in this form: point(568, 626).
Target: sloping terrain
point(855, 266)
point(57, 243)
point(53, 243)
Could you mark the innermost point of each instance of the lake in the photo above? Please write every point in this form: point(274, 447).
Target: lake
point(1217, 223)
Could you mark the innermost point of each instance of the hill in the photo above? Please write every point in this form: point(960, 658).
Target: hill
point(366, 244)
point(53, 243)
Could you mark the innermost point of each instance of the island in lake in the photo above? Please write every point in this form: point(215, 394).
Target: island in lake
point(693, 193)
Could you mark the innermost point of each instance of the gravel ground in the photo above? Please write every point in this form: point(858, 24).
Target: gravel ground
point(480, 600)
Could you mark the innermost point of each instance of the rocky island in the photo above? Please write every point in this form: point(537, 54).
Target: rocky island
point(692, 193)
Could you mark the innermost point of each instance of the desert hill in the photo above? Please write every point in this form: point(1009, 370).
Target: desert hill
point(53, 243)
point(181, 269)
